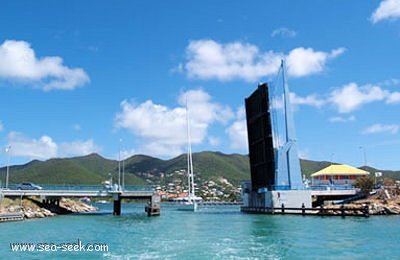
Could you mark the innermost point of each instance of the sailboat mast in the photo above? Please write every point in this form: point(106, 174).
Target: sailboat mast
point(189, 157)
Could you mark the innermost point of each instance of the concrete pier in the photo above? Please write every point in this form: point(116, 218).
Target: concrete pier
point(117, 207)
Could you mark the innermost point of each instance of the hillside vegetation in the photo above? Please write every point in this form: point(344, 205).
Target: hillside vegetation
point(142, 169)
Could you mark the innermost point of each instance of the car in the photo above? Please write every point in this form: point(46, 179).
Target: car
point(28, 186)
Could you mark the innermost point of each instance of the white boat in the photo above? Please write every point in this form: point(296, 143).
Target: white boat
point(189, 202)
point(188, 206)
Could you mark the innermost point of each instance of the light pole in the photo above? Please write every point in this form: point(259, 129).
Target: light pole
point(123, 173)
point(119, 165)
point(8, 164)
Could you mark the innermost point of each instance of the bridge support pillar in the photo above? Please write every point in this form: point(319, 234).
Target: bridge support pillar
point(117, 207)
point(153, 207)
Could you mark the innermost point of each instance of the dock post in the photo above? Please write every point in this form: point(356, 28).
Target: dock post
point(303, 209)
point(283, 208)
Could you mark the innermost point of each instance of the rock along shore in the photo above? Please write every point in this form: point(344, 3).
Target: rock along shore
point(32, 208)
point(386, 201)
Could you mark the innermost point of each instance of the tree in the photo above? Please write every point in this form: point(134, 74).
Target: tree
point(365, 184)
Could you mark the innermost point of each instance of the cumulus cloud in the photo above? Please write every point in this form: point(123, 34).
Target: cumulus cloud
point(237, 131)
point(19, 63)
point(387, 9)
point(208, 59)
point(77, 148)
point(351, 96)
point(393, 98)
point(302, 62)
point(310, 100)
point(379, 128)
point(45, 147)
point(163, 130)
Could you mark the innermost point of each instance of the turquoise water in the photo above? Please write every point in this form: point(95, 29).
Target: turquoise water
point(214, 232)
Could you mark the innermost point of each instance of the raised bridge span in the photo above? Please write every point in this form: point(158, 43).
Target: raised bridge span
point(52, 194)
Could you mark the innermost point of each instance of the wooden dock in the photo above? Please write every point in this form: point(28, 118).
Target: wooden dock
point(319, 211)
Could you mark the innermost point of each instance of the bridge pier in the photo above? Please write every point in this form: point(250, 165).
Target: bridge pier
point(51, 202)
point(117, 207)
point(153, 207)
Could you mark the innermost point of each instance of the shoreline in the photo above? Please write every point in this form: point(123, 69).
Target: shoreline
point(30, 208)
point(386, 201)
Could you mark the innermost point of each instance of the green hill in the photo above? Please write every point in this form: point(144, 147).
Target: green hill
point(142, 169)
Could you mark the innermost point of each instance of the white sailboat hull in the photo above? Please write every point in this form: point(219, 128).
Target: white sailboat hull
point(188, 206)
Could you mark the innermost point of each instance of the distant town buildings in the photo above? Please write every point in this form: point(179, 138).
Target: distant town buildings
point(208, 190)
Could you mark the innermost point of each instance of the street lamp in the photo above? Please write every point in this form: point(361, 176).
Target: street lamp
point(119, 165)
point(123, 172)
point(8, 164)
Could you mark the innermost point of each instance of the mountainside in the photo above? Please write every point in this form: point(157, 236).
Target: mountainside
point(141, 169)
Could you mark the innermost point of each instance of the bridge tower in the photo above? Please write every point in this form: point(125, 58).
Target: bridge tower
point(275, 168)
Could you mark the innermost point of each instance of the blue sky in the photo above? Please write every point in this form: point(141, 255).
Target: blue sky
point(78, 77)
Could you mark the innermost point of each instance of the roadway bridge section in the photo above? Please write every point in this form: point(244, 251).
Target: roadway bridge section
point(53, 196)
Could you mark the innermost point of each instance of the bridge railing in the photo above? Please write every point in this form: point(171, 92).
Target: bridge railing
point(86, 187)
point(332, 187)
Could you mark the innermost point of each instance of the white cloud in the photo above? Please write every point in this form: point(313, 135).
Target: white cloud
point(45, 147)
point(237, 131)
point(379, 128)
point(387, 9)
point(1, 126)
point(393, 98)
point(19, 63)
point(350, 97)
point(302, 62)
point(390, 82)
point(125, 154)
point(339, 119)
point(214, 141)
point(42, 148)
point(284, 32)
point(77, 148)
point(163, 130)
point(310, 100)
point(208, 59)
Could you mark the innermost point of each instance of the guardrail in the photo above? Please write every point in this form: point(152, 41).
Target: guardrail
point(76, 193)
point(84, 187)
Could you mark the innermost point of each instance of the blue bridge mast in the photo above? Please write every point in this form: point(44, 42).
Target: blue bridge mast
point(287, 163)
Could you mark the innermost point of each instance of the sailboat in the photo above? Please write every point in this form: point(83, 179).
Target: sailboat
point(189, 202)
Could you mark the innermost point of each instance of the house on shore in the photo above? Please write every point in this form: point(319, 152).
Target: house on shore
point(339, 174)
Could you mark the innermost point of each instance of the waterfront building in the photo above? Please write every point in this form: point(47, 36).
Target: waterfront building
point(339, 174)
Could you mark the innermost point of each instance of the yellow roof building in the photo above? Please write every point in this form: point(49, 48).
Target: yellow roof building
point(339, 169)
